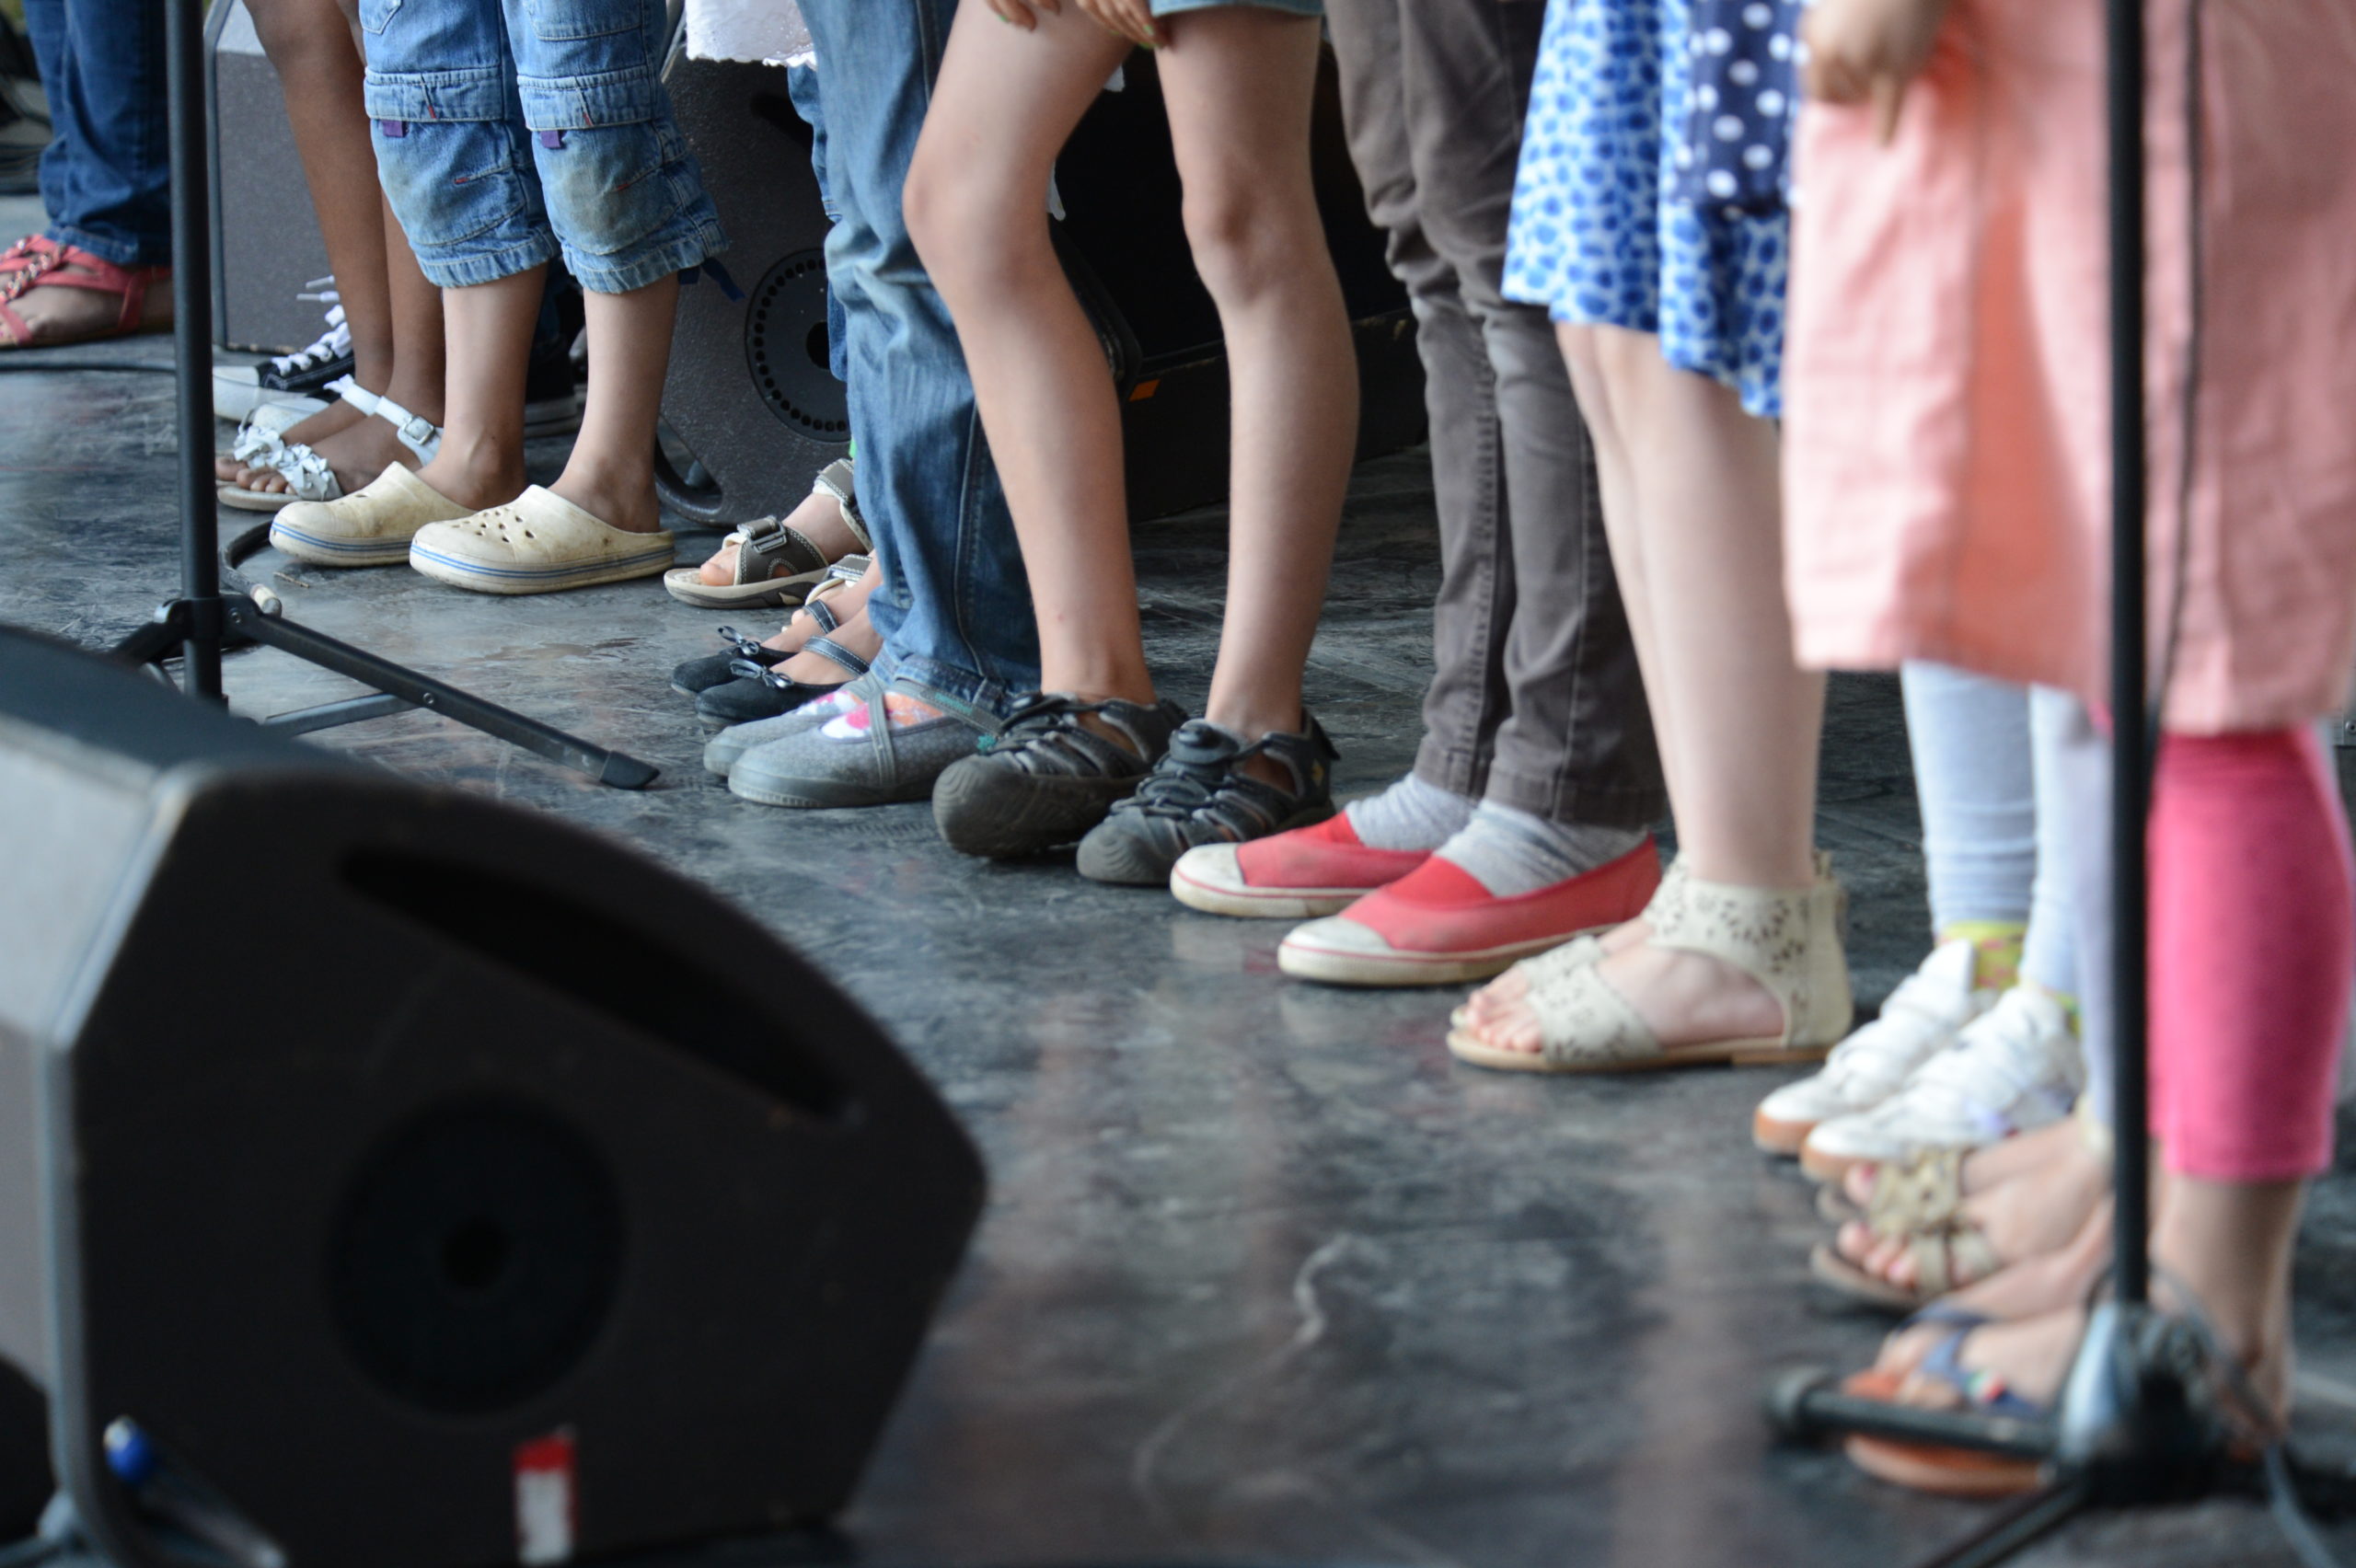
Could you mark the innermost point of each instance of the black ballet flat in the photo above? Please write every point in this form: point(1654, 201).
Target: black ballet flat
point(760, 693)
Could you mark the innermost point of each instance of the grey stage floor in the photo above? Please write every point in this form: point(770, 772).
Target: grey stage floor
point(1265, 1274)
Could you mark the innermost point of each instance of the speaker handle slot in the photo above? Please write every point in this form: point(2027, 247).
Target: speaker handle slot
point(674, 996)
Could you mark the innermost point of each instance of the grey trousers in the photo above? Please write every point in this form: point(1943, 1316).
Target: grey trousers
point(1537, 702)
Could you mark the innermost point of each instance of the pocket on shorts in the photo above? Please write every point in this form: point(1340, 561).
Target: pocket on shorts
point(450, 174)
point(375, 16)
point(609, 180)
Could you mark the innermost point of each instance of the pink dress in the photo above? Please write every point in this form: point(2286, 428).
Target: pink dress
point(1946, 435)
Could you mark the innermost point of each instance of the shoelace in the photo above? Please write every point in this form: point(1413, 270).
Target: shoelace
point(1198, 776)
point(332, 344)
point(1049, 722)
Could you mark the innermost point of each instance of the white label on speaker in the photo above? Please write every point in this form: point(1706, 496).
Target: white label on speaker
point(544, 1498)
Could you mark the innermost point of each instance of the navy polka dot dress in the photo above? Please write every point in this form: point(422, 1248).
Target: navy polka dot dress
point(1600, 234)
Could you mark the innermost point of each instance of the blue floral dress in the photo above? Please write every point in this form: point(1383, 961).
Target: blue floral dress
point(1600, 235)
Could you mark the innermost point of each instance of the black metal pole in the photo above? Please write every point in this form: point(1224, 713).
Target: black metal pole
point(2129, 741)
point(193, 346)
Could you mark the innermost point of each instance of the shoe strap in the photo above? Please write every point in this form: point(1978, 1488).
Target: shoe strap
point(418, 433)
point(762, 539)
point(1770, 934)
point(1582, 1018)
point(836, 479)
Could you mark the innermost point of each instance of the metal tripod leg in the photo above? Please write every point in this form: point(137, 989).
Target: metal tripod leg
point(617, 769)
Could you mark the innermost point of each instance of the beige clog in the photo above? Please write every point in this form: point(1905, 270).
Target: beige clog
point(538, 543)
point(371, 526)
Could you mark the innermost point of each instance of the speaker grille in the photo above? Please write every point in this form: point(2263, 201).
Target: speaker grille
point(786, 345)
point(476, 1256)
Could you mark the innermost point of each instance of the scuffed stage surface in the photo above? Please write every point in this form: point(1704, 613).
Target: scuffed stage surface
point(1265, 1275)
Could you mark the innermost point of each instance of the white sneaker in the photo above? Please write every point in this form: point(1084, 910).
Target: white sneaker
point(2014, 1068)
point(1920, 1019)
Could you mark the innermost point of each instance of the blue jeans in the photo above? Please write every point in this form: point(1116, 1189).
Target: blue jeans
point(105, 179)
point(801, 86)
point(508, 132)
point(954, 609)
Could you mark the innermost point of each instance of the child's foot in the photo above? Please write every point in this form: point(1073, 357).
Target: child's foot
point(1051, 774)
point(864, 751)
point(2036, 1214)
point(357, 454)
point(335, 418)
point(819, 519)
point(1212, 786)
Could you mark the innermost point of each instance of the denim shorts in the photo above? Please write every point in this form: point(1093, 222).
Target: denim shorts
point(1292, 7)
point(511, 131)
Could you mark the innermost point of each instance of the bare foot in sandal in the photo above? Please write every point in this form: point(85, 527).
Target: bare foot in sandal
point(357, 448)
point(845, 603)
point(2049, 1283)
point(818, 519)
point(1982, 1168)
point(52, 294)
point(2038, 1213)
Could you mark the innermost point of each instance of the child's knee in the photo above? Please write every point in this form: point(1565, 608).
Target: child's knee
point(964, 226)
point(1244, 241)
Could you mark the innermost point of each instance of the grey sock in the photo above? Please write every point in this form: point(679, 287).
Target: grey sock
point(1411, 814)
point(1511, 851)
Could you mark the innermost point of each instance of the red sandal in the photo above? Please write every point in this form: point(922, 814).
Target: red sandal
point(37, 261)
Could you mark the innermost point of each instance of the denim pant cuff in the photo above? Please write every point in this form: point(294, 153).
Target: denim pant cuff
point(123, 253)
point(487, 267)
point(651, 264)
point(961, 692)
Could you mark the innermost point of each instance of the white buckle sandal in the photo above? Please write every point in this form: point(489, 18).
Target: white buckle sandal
point(308, 477)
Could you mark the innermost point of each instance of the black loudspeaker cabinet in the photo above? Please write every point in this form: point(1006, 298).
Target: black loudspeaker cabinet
point(265, 242)
point(436, 1183)
point(756, 412)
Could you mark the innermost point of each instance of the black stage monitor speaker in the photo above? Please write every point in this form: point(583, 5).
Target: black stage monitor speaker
point(428, 1182)
point(749, 395)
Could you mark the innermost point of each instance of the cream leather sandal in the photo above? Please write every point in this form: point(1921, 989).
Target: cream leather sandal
point(371, 526)
point(1787, 939)
point(538, 543)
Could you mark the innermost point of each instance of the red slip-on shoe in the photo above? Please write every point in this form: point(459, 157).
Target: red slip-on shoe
point(1440, 926)
point(1289, 876)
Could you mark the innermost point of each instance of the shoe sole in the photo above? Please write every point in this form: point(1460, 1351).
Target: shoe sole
point(1823, 1166)
point(1335, 967)
point(686, 584)
point(238, 498)
point(1761, 1052)
point(979, 814)
point(510, 580)
point(821, 794)
point(297, 546)
point(1293, 904)
point(1779, 1137)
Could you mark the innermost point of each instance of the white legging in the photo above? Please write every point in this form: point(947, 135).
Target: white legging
point(1997, 833)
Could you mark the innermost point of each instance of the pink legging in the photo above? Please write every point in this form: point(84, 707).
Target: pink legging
point(2253, 943)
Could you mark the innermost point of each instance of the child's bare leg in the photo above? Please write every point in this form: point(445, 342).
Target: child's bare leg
point(611, 472)
point(1239, 84)
point(488, 329)
point(977, 205)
